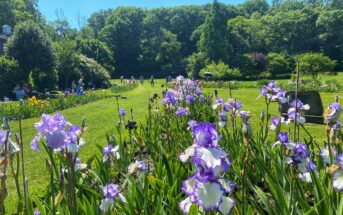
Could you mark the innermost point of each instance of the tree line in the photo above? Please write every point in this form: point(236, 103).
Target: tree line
point(249, 40)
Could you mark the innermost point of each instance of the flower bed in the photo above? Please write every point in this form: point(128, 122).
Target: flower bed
point(196, 155)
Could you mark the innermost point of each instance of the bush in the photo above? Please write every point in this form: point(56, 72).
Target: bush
point(266, 75)
point(277, 64)
point(251, 64)
point(315, 63)
point(220, 71)
point(98, 51)
point(93, 72)
point(33, 51)
point(195, 63)
point(9, 72)
point(308, 85)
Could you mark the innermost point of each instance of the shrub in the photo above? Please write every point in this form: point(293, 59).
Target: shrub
point(98, 51)
point(33, 51)
point(266, 74)
point(220, 71)
point(277, 64)
point(92, 71)
point(252, 64)
point(314, 63)
point(195, 63)
point(9, 72)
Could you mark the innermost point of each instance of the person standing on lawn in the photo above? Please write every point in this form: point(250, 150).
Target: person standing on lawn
point(152, 81)
point(141, 79)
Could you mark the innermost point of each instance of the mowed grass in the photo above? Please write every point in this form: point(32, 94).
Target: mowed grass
point(101, 120)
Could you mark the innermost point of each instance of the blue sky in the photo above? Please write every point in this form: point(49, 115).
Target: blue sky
point(86, 7)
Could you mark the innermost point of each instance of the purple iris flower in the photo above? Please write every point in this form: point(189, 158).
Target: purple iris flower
point(111, 192)
point(110, 152)
point(122, 112)
point(283, 137)
point(272, 93)
point(275, 123)
point(181, 111)
point(205, 134)
point(190, 99)
point(206, 187)
point(333, 113)
point(300, 151)
point(57, 131)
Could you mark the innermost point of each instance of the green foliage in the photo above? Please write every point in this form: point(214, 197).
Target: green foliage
point(13, 12)
point(330, 24)
point(168, 56)
point(29, 109)
point(119, 88)
point(214, 39)
point(92, 71)
point(67, 62)
point(195, 63)
point(220, 71)
point(315, 63)
point(285, 31)
point(254, 6)
point(93, 48)
point(122, 35)
point(277, 64)
point(34, 53)
point(60, 29)
point(248, 34)
point(9, 73)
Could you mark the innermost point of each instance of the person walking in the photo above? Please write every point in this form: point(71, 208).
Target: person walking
point(152, 81)
point(141, 79)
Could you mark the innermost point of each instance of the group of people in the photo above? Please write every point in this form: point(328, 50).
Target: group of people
point(21, 91)
point(152, 80)
point(78, 88)
point(141, 79)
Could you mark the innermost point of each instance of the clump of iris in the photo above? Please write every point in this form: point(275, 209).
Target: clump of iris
point(206, 187)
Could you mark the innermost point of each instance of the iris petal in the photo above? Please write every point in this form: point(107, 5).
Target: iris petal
point(208, 194)
point(187, 185)
point(211, 157)
point(189, 152)
point(226, 205)
point(185, 205)
point(338, 180)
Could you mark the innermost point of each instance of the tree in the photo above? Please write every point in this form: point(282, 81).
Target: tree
point(214, 38)
point(293, 32)
point(6, 15)
point(93, 48)
point(220, 71)
point(97, 20)
point(9, 73)
point(195, 63)
point(122, 35)
point(277, 64)
point(60, 29)
point(330, 25)
point(248, 34)
point(92, 71)
point(67, 62)
point(314, 63)
point(34, 53)
point(254, 6)
point(168, 55)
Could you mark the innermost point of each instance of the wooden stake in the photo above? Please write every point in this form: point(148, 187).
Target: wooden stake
point(296, 101)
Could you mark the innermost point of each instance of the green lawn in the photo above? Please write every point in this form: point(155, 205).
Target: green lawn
point(102, 117)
